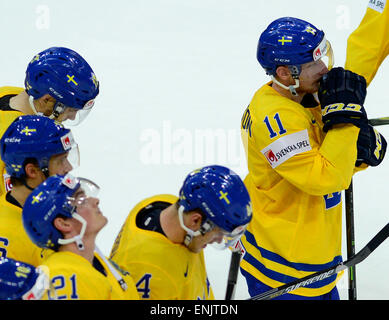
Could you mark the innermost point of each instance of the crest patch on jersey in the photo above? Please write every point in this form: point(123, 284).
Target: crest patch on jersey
point(286, 147)
point(377, 5)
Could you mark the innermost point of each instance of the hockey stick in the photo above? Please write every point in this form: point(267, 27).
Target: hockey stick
point(320, 275)
point(350, 233)
point(233, 274)
point(350, 236)
point(379, 121)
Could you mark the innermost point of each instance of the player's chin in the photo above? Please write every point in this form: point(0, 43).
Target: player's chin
point(104, 220)
point(311, 89)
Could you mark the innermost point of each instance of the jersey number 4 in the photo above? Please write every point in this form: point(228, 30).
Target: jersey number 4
point(143, 285)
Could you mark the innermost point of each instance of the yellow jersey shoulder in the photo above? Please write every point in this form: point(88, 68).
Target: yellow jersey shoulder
point(6, 90)
point(118, 293)
point(14, 241)
point(161, 269)
point(74, 278)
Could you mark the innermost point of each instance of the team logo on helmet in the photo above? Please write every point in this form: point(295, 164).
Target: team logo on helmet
point(320, 50)
point(7, 182)
point(37, 198)
point(16, 167)
point(67, 141)
point(71, 79)
point(310, 30)
point(223, 196)
point(27, 131)
point(94, 79)
point(249, 209)
point(89, 104)
point(69, 181)
point(36, 58)
point(283, 40)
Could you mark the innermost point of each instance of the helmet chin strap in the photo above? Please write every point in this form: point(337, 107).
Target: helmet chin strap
point(190, 234)
point(295, 72)
point(31, 101)
point(78, 238)
point(291, 88)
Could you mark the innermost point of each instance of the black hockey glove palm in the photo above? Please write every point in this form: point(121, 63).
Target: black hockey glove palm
point(341, 95)
point(371, 146)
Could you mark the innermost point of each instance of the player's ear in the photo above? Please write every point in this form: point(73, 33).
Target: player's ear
point(32, 170)
point(283, 73)
point(46, 104)
point(194, 220)
point(46, 99)
point(63, 225)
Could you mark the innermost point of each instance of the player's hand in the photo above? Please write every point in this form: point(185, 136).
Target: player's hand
point(341, 95)
point(371, 146)
point(340, 85)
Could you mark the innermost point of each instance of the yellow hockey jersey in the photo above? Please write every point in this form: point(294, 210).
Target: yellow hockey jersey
point(296, 175)
point(6, 118)
point(14, 241)
point(74, 278)
point(162, 270)
point(368, 45)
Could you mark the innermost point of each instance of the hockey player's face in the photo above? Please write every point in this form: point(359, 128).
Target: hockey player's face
point(88, 208)
point(310, 76)
point(59, 164)
point(68, 114)
point(200, 242)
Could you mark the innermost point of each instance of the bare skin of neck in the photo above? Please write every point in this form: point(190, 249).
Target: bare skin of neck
point(42, 105)
point(20, 193)
point(171, 225)
point(20, 103)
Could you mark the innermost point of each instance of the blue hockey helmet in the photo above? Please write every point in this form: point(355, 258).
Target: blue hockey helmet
point(35, 137)
point(20, 280)
point(220, 194)
point(66, 76)
point(292, 42)
point(52, 198)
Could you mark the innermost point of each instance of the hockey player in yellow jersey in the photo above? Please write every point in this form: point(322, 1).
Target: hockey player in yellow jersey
point(368, 45)
point(161, 243)
point(63, 214)
point(59, 84)
point(300, 156)
point(32, 148)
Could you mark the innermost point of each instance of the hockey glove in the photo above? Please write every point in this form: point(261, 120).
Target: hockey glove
point(341, 95)
point(371, 146)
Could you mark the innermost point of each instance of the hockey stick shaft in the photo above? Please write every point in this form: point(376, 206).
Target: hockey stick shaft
point(379, 121)
point(324, 274)
point(350, 237)
point(233, 274)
